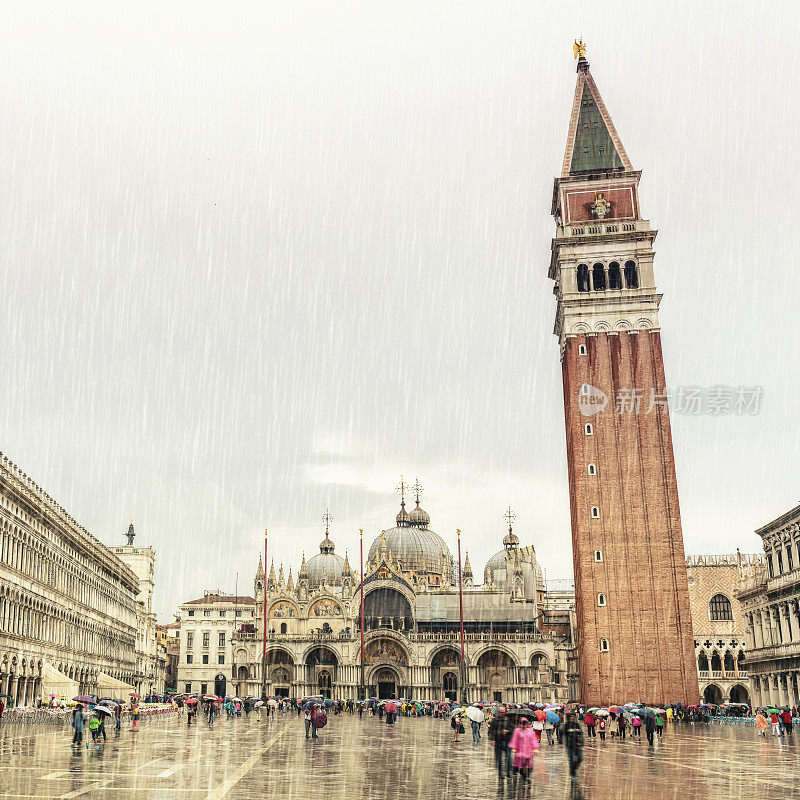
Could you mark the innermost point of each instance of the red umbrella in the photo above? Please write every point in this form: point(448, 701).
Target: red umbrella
point(540, 715)
point(390, 707)
point(136, 696)
point(614, 709)
point(192, 701)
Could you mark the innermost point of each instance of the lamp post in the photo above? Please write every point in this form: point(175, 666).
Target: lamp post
point(264, 645)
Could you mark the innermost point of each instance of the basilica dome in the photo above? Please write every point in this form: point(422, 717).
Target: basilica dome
point(414, 545)
point(325, 564)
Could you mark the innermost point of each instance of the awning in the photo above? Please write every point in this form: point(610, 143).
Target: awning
point(56, 683)
point(106, 684)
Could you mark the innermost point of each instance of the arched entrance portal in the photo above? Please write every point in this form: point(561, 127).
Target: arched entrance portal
point(322, 661)
point(387, 682)
point(712, 694)
point(740, 695)
point(220, 684)
point(450, 683)
point(493, 673)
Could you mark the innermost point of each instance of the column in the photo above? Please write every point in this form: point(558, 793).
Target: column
point(758, 633)
point(783, 611)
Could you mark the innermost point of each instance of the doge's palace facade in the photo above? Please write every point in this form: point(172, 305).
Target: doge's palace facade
point(67, 603)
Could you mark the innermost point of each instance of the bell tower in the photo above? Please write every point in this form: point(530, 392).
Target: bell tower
point(634, 631)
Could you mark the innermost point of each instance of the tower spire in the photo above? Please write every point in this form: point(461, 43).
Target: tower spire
point(593, 144)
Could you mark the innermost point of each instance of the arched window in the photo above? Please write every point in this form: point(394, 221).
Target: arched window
point(716, 662)
point(598, 277)
point(601, 599)
point(583, 278)
point(728, 662)
point(587, 429)
point(595, 512)
point(720, 608)
point(283, 627)
point(614, 275)
point(604, 646)
point(582, 352)
point(598, 555)
point(631, 275)
point(702, 662)
point(591, 469)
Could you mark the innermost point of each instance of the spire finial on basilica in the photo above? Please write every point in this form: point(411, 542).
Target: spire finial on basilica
point(327, 519)
point(510, 540)
point(290, 582)
point(131, 533)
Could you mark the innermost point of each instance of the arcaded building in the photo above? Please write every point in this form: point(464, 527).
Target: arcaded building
point(517, 643)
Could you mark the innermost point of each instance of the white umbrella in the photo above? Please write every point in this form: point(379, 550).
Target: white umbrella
point(475, 714)
point(273, 702)
point(102, 710)
point(457, 711)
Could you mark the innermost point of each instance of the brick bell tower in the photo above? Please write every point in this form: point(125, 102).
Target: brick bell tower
point(634, 629)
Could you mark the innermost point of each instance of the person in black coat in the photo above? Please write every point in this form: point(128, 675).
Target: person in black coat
point(650, 727)
point(573, 741)
point(500, 729)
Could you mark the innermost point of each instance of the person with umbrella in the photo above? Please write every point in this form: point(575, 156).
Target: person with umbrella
point(589, 721)
point(77, 724)
point(391, 712)
point(476, 718)
point(457, 722)
point(650, 727)
point(500, 730)
point(573, 741)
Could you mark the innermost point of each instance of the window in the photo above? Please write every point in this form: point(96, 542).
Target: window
point(283, 627)
point(221, 658)
point(222, 613)
point(591, 469)
point(769, 564)
point(187, 687)
point(598, 555)
point(631, 275)
point(205, 658)
point(206, 639)
point(583, 278)
point(191, 612)
point(581, 349)
point(780, 561)
point(595, 512)
point(586, 390)
point(207, 612)
point(189, 639)
point(588, 429)
point(720, 608)
point(601, 599)
point(203, 688)
point(189, 658)
point(598, 277)
point(614, 276)
point(238, 613)
point(789, 561)
point(604, 647)
point(222, 638)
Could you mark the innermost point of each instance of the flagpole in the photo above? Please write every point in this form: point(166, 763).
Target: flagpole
point(461, 622)
point(363, 690)
point(264, 646)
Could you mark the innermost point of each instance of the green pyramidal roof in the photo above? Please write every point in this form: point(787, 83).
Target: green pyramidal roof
point(594, 149)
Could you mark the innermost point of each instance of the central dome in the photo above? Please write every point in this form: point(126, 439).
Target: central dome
point(415, 546)
point(326, 565)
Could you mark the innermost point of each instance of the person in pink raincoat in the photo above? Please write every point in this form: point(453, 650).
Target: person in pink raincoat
point(523, 744)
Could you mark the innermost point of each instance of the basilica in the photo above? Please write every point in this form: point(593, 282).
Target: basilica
point(518, 638)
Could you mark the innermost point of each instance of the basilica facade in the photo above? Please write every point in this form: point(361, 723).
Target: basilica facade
point(518, 640)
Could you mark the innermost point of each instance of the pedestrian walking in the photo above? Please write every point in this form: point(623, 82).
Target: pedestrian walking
point(308, 716)
point(500, 730)
point(77, 725)
point(613, 726)
point(457, 724)
point(135, 717)
point(650, 728)
point(636, 726)
point(211, 711)
point(761, 724)
point(524, 743)
point(548, 729)
point(776, 723)
point(786, 719)
point(573, 741)
point(622, 725)
point(601, 728)
point(590, 721)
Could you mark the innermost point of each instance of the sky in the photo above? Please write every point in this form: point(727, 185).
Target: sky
point(259, 260)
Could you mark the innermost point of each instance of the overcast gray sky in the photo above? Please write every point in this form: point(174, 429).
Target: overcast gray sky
point(257, 260)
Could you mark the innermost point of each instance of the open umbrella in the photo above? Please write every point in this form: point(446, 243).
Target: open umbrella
point(103, 710)
point(602, 712)
point(391, 707)
point(539, 714)
point(83, 698)
point(614, 709)
point(135, 696)
point(552, 717)
point(475, 714)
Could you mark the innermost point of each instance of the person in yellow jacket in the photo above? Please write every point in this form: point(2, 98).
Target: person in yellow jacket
point(670, 715)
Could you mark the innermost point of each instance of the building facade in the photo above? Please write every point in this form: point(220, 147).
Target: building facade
point(206, 647)
point(67, 603)
point(721, 639)
point(770, 598)
point(518, 643)
point(629, 564)
point(169, 637)
point(150, 656)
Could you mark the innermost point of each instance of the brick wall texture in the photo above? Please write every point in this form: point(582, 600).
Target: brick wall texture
point(647, 617)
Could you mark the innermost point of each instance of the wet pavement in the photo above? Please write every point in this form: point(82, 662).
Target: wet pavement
point(252, 758)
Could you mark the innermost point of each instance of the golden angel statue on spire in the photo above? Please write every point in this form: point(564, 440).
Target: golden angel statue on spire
point(579, 48)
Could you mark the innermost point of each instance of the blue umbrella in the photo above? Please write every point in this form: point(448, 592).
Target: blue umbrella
point(552, 717)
